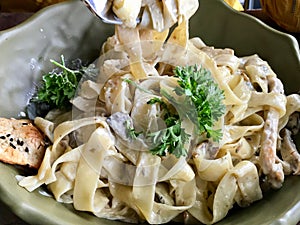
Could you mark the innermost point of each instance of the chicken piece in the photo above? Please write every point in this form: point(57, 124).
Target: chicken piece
point(268, 162)
point(21, 143)
point(268, 153)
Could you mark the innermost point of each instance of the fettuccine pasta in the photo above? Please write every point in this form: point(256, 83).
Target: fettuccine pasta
point(93, 164)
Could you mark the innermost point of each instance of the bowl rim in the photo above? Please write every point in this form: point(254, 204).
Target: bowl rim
point(24, 210)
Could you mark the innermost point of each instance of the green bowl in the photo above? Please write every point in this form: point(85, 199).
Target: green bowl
point(70, 29)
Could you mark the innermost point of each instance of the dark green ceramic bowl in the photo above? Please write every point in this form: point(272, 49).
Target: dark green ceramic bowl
point(70, 29)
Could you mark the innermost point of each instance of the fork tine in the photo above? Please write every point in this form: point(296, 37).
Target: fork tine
point(102, 9)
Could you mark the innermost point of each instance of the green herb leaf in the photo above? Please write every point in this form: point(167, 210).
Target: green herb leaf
point(59, 86)
point(197, 84)
point(173, 137)
point(202, 103)
point(169, 140)
point(133, 83)
point(131, 132)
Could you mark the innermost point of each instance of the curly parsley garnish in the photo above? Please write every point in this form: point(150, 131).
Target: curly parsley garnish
point(173, 137)
point(59, 85)
point(202, 104)
point(197, 84)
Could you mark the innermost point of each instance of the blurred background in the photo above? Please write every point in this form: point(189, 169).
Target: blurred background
point(25, 5)
point(283, 15)
point(34, 5)
point(13, 12)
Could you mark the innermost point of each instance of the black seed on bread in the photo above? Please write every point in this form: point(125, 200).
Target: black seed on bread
point(21, 143)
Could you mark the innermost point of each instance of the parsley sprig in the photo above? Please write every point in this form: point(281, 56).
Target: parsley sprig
point(59, 85)
point(173, 137)
point(199, 88)
point(201, 103)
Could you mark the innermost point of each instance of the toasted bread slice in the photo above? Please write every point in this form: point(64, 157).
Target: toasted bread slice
point(21, 143)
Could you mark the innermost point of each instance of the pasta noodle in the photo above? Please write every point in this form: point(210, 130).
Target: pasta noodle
point(115, 177)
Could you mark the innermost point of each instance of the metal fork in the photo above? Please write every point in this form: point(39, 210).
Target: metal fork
point(103, 10)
